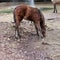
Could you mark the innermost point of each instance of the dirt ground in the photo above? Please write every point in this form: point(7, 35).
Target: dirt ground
point(29, 47)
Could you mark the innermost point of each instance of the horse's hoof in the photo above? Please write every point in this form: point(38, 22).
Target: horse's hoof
point(17, 37)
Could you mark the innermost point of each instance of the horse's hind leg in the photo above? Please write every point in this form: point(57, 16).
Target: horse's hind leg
point(43, 28)
point(38, 28)
point(55, 9)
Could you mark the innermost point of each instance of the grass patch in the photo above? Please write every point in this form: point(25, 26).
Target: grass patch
point(10, 10)
point(46, 8)
point(6, 11)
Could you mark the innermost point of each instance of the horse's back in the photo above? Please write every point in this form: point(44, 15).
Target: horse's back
point(27, 12)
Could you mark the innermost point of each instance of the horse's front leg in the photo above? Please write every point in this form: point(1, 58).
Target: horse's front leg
point(17, 23)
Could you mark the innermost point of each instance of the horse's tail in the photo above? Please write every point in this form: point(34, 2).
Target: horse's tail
point(42, 19)
point(14, 16)
point(42, 23)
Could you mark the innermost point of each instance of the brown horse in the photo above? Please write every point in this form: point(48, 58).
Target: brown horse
point(32, 14)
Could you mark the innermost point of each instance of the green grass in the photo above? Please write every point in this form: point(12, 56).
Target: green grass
point(6, 11)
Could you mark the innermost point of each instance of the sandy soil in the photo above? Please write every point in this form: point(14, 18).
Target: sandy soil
point(29, 47)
